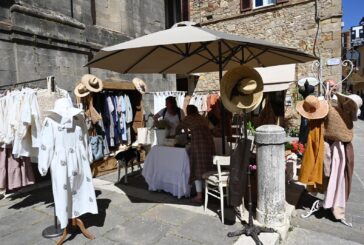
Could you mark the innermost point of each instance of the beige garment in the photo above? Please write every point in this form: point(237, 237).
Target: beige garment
point(327, 159)
point(46, 100)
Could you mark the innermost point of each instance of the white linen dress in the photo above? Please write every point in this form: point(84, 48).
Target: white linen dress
point(64, 148)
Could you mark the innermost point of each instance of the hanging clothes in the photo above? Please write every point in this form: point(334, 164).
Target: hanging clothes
point(349, 168)
point(64, 148)
point(335, 195)
point(19, 137)
point(159, 99)
point(28, 125)
point(47, 98)
point(14, 172)
point(312, 163)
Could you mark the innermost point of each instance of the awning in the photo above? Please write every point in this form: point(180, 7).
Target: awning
point(277, 78)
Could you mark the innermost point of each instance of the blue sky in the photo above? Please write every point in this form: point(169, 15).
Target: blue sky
point(353, 11)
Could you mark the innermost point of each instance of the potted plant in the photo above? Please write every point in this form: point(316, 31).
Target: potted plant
point(161, 131)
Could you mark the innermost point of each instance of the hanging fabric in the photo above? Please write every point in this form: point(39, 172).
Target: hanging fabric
point(335, 195)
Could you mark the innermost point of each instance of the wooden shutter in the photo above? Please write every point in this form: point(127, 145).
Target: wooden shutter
point(246, 5)
point(282, 1)
point(185, 10)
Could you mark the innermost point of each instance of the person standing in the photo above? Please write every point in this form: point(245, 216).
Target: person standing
point(171, 113)
point(202, 148)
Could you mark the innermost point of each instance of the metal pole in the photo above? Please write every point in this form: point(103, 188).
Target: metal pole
point(53, 230)
point(222, 106)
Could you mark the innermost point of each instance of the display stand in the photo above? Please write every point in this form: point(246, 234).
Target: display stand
point(316, 206)
point(249, 228)
point(53, 230)
point(75, 222)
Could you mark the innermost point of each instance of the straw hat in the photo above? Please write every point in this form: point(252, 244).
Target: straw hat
point(81, 90)
point(92, 83)
point(338, 125)
point(241, 88)
point(351, 104)
point(312, 108)
point(140, 85)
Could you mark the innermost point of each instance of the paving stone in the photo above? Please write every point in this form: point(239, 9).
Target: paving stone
point(176, 240)
point(306, 237)
point(29, 234)
point(20, 220)
point(167, 214)
point(138, 231)
point(200, 228)
point(100, 240)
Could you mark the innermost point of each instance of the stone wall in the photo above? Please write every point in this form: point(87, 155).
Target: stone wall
point(40, 38)
point(291, 24)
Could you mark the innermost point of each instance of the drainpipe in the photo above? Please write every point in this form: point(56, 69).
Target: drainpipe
point(71, 8)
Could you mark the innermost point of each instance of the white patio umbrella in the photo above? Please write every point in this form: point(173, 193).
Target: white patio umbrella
point(187, 48)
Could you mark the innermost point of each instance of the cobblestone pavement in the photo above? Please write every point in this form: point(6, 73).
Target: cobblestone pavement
point(321, 228)
point(122, 219)
point(129, 214)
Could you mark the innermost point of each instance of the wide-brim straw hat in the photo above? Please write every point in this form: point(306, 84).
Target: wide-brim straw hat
point(338, 125)
point(81, 90)
point(312, 108)
point(92, 83)
point(140, 85)
point(350, 104)
point(241, 89)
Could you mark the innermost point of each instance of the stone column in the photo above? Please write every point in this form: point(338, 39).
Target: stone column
point(270, 141)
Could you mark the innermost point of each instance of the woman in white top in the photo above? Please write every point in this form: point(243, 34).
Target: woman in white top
point(171, 113)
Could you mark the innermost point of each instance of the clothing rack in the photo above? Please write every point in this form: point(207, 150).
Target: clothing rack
point(26, 82)
point(165, 91)
point(209, 91)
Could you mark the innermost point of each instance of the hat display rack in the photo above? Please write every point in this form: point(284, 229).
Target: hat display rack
point(317, 68)
point(242, 92)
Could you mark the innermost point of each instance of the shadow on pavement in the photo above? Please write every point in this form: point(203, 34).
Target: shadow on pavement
point(137, 192)
point(90, 220)
point(305, 202)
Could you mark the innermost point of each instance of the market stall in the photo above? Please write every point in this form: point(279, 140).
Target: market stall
point(187, 48)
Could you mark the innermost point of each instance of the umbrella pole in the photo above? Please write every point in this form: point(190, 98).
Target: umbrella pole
point(221, 105)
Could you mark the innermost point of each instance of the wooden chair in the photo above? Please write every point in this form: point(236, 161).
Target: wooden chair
point(216, 181)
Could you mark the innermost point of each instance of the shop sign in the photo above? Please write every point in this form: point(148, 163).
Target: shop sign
point(333, 61)
point(357, 35)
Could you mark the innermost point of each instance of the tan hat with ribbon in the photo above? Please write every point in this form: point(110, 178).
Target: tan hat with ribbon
point(81, 90)
point(92, 83)
point(312, 108)
point(241, 89)
point(89, 83)
point(140, 85)
point(350, 104)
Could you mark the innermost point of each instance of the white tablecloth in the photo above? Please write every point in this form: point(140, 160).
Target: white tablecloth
point(168, 169)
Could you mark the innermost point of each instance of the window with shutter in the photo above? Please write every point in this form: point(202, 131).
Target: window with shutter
point(246, 5)
point(185, 10)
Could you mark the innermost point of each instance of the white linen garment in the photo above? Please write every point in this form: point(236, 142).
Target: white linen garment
point(28, 126)
point(64, 148)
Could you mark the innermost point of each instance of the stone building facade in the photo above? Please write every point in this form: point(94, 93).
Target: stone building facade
point(41, 38)
point(307, 25)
